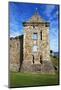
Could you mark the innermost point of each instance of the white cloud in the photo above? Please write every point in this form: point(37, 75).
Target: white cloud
point(14, 34)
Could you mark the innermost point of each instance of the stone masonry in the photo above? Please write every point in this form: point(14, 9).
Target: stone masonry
point(35, 47)
point(37, 59)
point(16, 53)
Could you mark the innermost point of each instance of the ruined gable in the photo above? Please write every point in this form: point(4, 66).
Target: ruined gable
point(36, 48)
point(31, 52)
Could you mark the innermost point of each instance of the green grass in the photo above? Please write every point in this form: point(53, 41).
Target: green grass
point(55, 61)
point(18, 79)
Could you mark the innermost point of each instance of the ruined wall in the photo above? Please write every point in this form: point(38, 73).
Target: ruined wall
point(20, 61)
point(43, 45)
point(43, 49)
point(16, 53)
point(22, 58)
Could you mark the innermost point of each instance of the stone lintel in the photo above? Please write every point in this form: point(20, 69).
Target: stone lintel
point(36, 23)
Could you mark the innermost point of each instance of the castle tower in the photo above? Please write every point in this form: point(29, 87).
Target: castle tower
point(36, 48)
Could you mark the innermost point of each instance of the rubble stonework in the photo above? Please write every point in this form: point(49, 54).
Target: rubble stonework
point(32, 61)
point(16, 53)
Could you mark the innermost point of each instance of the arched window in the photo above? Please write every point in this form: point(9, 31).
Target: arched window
point(34, 48)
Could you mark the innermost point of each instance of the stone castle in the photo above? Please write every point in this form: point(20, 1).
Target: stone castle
point(31, 52)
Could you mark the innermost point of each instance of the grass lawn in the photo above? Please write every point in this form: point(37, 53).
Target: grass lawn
point(18, 79)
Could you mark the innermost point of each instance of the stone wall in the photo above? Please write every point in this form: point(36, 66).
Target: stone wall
point(44, 66)
point(16, 53)
point(17, 62)
point(43, 45)
point(22, 58)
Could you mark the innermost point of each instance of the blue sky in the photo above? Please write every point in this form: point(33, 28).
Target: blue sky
point(20, 12)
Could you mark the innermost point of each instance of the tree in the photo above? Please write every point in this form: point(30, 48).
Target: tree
point(51, 52)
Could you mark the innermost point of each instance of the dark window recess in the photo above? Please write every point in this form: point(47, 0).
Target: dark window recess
point(33, 59)
point(41, 35)
point(41, 59)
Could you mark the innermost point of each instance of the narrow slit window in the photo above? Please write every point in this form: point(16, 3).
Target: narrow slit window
point(41, 35)
point(33, 59)
point(41, 59)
